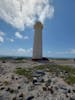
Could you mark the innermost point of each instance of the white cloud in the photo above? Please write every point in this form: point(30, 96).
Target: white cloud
point(17, 52)
point(26, 37)
point(22, 51)
point(23, 13)
point(18, 35)
point(1, 36)
point(2, 33)
point(66, 52)
point(1, 39)
point(11, 40)
point(72, 51)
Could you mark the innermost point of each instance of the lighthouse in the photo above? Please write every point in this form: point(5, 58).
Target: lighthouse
point(37, 46)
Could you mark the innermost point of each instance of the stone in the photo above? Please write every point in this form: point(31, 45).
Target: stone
point(1, 97)
point(2, 88)
point(72, 97)
point(12, 77)
point(14, 98)
point(8, 89)
point(19, 87)
point(44, 88)
point(30, 98)
point(21, 95)
point(11, 91)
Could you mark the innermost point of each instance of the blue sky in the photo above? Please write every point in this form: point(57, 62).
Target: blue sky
point(58, 33)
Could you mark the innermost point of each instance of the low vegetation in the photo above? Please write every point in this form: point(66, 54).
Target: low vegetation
point(6, 83)
point(67, 71)
point(70, 79)
point(25, 72)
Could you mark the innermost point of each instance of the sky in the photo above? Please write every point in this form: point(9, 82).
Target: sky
point(17, 19)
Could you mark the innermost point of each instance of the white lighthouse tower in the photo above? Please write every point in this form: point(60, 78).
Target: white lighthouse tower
point(37, 47)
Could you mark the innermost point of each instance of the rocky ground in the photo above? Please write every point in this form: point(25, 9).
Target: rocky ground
point(27, 80)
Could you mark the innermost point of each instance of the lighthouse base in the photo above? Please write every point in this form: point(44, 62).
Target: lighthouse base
point(42, 59)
